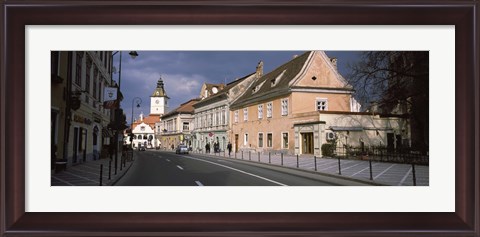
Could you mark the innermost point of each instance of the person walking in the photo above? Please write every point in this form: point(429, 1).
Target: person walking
point(207, 148)
point(229, 147)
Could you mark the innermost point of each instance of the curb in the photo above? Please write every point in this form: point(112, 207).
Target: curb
point(367, 182)
point(115, 179)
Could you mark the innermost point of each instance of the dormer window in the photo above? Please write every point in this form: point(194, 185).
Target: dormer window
point(257, 87)
point(275, 81)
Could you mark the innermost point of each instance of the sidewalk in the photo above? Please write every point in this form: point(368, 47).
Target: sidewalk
point(393, 174)
point(88, 173)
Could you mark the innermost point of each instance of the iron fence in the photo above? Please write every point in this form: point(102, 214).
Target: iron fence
point(383, 154)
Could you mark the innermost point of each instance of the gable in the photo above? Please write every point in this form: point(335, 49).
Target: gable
point(143, 128)
point(321, 73)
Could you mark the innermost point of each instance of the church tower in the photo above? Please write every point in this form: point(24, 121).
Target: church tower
point(158, 100)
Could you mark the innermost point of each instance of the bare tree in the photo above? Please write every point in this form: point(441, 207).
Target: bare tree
point(396, 82)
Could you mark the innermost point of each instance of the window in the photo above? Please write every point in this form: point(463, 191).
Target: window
point(245, 114)
point(186, 126)
point(322, 104)
point(224, 113)
point(235, 116)
point(269, 140)
point(260, 111)
point(95, 84)
point(269, 110)
point(285, 140)
point(245, 139)
point(260, 140)
point(78, 71)
point(284, 107)
point(87, 77)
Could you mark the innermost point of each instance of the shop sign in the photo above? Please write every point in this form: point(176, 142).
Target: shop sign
point(80, 119)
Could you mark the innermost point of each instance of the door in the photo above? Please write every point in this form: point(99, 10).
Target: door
point(75, 145)
point(307, 143)
point(236, 142)
point(390, 142)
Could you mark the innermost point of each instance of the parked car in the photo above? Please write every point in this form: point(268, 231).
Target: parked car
point(181, 149)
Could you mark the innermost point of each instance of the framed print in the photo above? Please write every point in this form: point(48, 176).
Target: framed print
point(201, 22)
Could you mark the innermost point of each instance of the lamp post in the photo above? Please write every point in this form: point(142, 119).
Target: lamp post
point(133, 54)
point(138, 101)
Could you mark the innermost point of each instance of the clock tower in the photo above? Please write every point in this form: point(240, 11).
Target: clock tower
point(158, 100)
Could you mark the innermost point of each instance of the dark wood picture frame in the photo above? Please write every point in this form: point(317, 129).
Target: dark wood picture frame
point(17, 14)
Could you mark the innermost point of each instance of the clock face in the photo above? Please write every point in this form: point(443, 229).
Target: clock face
point(157, 101)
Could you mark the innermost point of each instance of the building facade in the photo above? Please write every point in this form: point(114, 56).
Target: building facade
point(212, 114)
point(264, 117)
point(79, 120)
point(176, 126)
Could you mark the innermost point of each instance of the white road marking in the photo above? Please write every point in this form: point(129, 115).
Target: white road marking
point(383, 172)
point(198, 183)
point(241, 171)
point(179, 167)
point(168, 160)
point(405, 177)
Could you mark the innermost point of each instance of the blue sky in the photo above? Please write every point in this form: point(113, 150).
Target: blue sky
point(184, 72)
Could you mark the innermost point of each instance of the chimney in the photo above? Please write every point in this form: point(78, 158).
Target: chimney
point(259, 71)
point(334, 63)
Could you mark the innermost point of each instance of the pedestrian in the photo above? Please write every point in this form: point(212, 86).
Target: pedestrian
point(207, 148)
point(229, 147)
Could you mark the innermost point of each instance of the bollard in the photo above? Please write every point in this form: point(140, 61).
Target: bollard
point(315, 160)
point(249, 155)
point(413, 172)
point(116, 167)
point(297, 160)
point(242, 155)
point(339, 167)
point(101, 174)
point(121, 163)
point(281, 155)
point(258, 157)
point(110, 170)
point(269, 160)
point(370, 165)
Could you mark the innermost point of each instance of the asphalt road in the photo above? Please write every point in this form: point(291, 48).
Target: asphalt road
point(159, 168)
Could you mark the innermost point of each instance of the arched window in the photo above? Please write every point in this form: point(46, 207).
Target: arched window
point(145, 137)
point(139, 137)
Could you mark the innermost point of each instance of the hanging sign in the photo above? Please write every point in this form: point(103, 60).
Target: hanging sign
point(110, 93)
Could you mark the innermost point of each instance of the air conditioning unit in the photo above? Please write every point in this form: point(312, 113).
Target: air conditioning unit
point(331, 136)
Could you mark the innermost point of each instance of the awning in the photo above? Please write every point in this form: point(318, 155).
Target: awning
point(336, 128)
point(107, 133)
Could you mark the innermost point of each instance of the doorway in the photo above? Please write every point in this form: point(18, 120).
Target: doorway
point(236, 142)
point(307, 143)
point(75, 145)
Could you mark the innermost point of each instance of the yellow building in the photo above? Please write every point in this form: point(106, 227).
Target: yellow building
point(78, 118)
point(265, 116)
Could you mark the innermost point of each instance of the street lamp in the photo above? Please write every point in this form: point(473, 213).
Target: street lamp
point(133, 54)
point(138, 102)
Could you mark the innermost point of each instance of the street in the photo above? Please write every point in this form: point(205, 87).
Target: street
point(161, 168)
